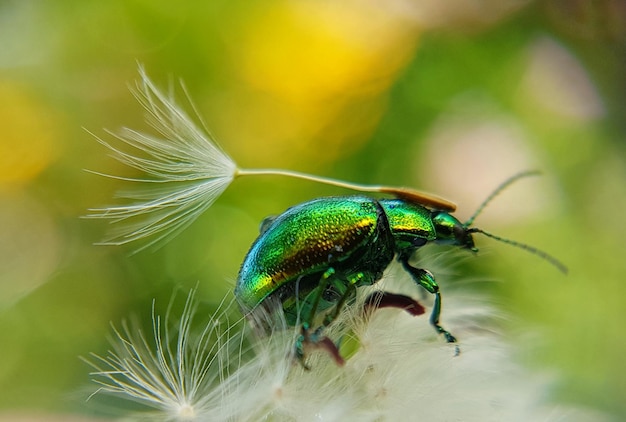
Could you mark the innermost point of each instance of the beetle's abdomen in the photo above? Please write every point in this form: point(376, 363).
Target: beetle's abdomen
point(307, 239)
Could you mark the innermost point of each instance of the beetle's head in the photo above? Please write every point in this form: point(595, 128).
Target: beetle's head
point(451, 231)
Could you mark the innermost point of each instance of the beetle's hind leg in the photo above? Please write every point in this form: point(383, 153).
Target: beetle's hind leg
point(381, 299)
point(427, 281)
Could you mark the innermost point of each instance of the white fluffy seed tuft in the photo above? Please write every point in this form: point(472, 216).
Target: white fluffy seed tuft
point(397, 369)
point(185, 171)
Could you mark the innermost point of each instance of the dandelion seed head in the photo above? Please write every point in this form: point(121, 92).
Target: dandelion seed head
point(400, 370)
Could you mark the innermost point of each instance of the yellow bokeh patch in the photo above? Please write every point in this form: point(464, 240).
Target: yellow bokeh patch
point(30, 133)
point(315, 77)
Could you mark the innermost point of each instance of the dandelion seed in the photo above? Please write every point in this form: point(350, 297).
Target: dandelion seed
point(185, 172)
point(182, 375)
point(169, 373)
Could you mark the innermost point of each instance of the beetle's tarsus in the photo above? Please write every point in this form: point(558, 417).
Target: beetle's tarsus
point(299, 352)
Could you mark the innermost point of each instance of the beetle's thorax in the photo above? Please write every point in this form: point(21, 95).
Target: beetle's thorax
point(414, 225)
point(411, 224)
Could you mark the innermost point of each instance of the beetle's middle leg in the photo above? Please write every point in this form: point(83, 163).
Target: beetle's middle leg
point(316, 338)
point(347, 290)
point(427, 281)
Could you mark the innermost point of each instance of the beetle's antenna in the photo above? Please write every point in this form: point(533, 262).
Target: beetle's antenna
point(546, 256)
point(422, 198)
point(498, 190)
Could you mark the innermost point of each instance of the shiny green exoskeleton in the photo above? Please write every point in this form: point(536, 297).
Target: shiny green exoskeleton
point(312, 257)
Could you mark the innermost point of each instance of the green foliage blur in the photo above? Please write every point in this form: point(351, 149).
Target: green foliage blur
point(444, 98)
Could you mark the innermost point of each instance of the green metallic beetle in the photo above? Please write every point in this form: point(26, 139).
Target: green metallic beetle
point(313, 257)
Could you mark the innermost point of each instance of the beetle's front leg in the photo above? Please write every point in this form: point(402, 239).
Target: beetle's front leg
point(427, 281)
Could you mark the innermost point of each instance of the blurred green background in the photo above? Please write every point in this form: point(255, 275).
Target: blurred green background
point(449, 97)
